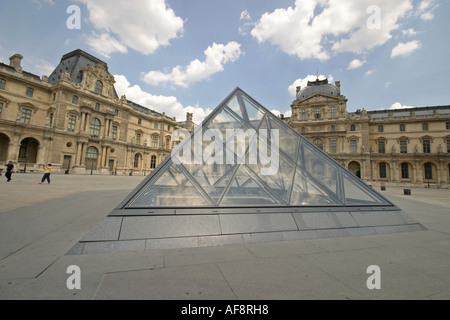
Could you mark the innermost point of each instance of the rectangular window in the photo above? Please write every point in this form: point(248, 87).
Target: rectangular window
point(116, 112)
point(381, 146)
point(402, 128)
point(447, 125)
point(26, 116)
point(139, 121)
point(155, 125)
point(74, 99)
point(405, 171)
point(383, 170)
point(1, 108)
point(30, 92)
point(333, 148)
point(403, 146)
point(448, 146)
point(97, 107)
point(353, 146)
point(303, 115)
point(426, 146)
point(114, 132)
point(425, 126)
point(71, 123)
point(155, 142)
point(2, 84)
point(138, 138)
point(333, 114)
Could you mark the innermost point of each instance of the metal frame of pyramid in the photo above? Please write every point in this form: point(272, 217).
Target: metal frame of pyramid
point(204, 202)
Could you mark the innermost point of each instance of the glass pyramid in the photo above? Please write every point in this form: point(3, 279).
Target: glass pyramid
point(244, 156)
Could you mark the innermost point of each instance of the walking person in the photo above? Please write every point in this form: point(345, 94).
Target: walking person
point(47, 172)
point(9, 170)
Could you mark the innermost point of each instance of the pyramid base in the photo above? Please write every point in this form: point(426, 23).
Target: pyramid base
point(135, 233)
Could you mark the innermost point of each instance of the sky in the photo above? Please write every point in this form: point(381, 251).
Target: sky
point(178, 56)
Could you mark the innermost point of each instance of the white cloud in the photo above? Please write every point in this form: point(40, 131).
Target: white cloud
point(409, 32)
point(369, 72)
point(168, 104)
point(143, 25)
point(305, 29)
point(38, 66)
point(216, 56)
point(404, 49)
point(105, 44)
point(304, 82)
point(356, 64)
point(398, 105)
point(425, 9)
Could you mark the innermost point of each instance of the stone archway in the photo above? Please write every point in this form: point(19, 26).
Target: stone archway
point(28, 151)
point(355, 168)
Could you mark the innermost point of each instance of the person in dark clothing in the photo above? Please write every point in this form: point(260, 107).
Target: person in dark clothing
point(9, 170)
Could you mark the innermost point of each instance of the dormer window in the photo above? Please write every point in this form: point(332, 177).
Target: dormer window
point(99, 87)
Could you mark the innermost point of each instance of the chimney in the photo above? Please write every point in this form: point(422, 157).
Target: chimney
point(299, 88)
point(15, 61)
point(338, 84)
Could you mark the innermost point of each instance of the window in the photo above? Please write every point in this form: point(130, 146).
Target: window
point(156, 125)
point(333, 114)
point(137, 158)
point(167, 143)
point(383, 170)
point(139, 121)
point(74, 99)
point(303, 115)
point(448, 146)
point(168, 128)
point(97, 107)
point(153, 162)
point(447, 125)
point(405, 171)
point(333, 128)
point(26, 116)
point(1, 108)
point(380, 129)
point(426, 146)
point(30, 92)
point(402, 128)
point(116, 112)
point(114, 132)
point(403, 146)
point(99, 87)
point(425, 126)
point(138, 138)
point(317, 114)
point(333, 148)
point(318, 143)
point(303, 130)
point(155, 142)
point(2, 84)
point(71, 123)
point(352, 127)
point(428, 171)
point(353, 146)
point(94, 128)
point(381, 146)
point(91, 158)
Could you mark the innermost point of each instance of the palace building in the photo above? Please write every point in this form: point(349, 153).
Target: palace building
point(75, 120)
point(401, 147)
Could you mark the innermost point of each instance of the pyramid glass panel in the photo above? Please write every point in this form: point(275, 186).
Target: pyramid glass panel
point(321, 168)
point(171, 189)
point(247, 190)
point(306, 193)
point(358, 194)
point(288, 140)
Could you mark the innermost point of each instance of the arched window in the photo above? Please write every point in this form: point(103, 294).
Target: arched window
point(303, 115)
point(99, 87)
point(94, 128)
point(317, 114)
point(319, 143)
point(428, 171)
point(137, 160)
point(153, 162)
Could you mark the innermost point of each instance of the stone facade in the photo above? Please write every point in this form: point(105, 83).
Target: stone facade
point(75, 120)
point(402, 147)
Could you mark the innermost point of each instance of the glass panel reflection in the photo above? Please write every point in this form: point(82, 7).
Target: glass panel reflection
point(171, 189)
point(355, 194)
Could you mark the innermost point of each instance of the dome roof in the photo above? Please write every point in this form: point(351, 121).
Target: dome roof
point(318, 86)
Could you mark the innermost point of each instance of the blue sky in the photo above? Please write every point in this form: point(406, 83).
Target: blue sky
point(179, 56)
